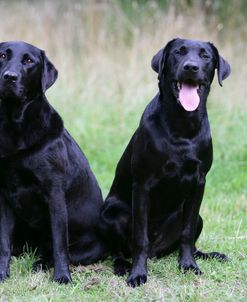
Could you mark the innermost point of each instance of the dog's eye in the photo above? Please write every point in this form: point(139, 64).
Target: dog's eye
point(3, 56)
point(28, 61)
point(182, 51)
point(205, 56)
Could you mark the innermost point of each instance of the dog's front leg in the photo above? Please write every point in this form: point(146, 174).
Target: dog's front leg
point(59, 229)
point(190, 220)
point(7, 222)
point(140, 244)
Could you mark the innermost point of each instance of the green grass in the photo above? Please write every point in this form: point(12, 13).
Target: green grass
point(101, 98)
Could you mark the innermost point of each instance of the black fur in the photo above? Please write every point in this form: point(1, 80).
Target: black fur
point(49, 197)
point(153, 205)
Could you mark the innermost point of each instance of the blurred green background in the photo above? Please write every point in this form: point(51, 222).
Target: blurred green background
point(102, 50)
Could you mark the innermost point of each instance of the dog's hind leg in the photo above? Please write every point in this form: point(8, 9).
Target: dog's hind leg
point(87, 250)
point(115, 228)
point(168, 236)
point(121, 266)
point(44, 262)
point(43, 252)
point(165, 238)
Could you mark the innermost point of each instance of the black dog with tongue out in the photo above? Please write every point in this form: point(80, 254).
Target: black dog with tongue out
point(153, 205)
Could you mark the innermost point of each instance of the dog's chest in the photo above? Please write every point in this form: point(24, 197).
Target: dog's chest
point(180, 160)
point(21, 189)
point(176, 176)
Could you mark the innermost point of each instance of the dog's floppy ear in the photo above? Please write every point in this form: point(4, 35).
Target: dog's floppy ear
point(223, 67)
point(158, 60)
point(49, 74)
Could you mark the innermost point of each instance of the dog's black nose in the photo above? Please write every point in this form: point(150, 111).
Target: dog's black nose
point(10, 75)
point(190, 66)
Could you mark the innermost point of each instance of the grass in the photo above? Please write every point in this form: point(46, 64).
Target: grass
point(103, 56)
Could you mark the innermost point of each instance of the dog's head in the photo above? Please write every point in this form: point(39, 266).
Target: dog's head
point(25, 71)
point(188, 67)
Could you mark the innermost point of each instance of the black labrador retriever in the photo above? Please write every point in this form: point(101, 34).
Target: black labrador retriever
point(153, 204)
point(49, 196)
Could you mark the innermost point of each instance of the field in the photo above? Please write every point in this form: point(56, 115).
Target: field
point(103, 50)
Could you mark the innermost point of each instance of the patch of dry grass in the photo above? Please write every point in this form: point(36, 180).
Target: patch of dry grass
point(103, 55)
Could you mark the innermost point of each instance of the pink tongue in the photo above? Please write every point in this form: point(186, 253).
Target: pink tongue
point(189, 97)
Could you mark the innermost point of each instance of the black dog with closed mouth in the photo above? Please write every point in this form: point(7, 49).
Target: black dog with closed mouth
point(49, 197)
point(153, 205)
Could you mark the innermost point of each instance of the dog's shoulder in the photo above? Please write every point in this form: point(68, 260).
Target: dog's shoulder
point(39, 125)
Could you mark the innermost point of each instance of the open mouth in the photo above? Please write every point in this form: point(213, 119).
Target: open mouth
point(188, 93)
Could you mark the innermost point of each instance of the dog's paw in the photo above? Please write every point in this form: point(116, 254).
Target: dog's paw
point(64, 278)
point(137, 279)
point(219, 256)
point(189, 265)
point(212, 255)
point(121, 267)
